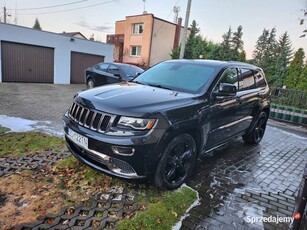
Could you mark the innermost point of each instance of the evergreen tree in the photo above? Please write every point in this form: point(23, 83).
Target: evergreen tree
point(303, 79)
point(237, 44)
point(192, 42)
point(175, 53)
point(225, 52)
point(37, 26)
point(242, 56)
point(296, 78)
point(284, 55)
point(213, 51)
point(265, 53)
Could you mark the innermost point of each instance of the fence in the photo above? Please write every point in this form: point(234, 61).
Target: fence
point(289, 105)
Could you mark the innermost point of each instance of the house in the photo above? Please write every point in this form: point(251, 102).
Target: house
point(144, 40)
point(73, 34)
point(29, 55)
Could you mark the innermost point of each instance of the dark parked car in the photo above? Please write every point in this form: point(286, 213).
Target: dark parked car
point(109, 73)
point(157, 125)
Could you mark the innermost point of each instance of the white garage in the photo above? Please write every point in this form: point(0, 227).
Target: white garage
point(29, 55)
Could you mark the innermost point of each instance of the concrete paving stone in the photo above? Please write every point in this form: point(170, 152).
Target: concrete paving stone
point(285, 211)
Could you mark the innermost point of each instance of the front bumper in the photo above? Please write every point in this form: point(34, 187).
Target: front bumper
point(100, 155)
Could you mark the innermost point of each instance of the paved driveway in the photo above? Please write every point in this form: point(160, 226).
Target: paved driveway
point(42, 102)
point(235, 183)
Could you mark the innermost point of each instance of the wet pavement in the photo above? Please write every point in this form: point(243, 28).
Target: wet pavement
point(237, 183)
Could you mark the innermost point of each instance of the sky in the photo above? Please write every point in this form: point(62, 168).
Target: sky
point(213, 17)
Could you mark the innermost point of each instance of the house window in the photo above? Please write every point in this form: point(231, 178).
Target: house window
point(137, 28)
point(136, 51)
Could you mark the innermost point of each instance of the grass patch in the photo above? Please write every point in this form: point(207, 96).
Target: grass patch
point(3, 129)
point(163, 214)
point(28, 142)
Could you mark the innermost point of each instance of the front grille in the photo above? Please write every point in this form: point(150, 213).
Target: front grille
point(89, 119)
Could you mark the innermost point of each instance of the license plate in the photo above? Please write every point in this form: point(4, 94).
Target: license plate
point(77, 138)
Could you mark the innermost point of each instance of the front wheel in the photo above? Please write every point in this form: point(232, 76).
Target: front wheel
point(257, 133)
point(176, 163)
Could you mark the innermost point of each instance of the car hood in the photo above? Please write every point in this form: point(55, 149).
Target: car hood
point(131, 99)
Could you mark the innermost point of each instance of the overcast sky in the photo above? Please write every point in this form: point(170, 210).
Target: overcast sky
point(213, 16)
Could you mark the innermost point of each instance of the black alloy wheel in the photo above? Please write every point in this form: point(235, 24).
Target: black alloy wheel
point(176, 163)
point(256, 135)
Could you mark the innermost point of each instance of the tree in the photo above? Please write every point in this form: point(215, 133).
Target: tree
point(192, 41)
point(284, 54)
point(37, 26)
point(303, 79)
point(225, 52)
point(175, 53)
point(265, 52)
point(296, 77)
point(237, 44)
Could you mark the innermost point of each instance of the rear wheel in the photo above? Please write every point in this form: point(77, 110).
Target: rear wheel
point(90, 83)
point(176, 163)
point(256, 135)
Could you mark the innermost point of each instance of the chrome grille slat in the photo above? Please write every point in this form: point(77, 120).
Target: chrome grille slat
point(80, 116)
point(92, 121)
point(76, 113)
point(100, 122)
point(73, 110)
point(85, 118)
point(97, 121)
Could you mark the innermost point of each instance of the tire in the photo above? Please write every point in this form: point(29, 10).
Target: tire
point(90, 83)
point(257, 133)
point(176, 163)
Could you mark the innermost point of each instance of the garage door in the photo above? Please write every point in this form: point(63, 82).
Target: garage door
point(26, 63)
point(79, 62)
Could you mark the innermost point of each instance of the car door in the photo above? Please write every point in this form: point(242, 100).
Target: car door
point(248, 97)
point(114, 74)
point(100, 74)
point(222, 110)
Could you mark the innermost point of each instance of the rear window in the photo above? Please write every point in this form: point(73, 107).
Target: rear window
point(259, 78)
point(246, 80)
point(181, 76)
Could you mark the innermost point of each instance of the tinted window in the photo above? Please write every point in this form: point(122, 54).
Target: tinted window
point(113, 69)
point(229, 76)
point(181, 76)
point(246, 80)
point(131, 71)
point(259, 78)
point(102, 67)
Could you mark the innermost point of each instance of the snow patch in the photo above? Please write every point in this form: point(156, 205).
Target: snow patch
point(17, 124)
point(178, 225)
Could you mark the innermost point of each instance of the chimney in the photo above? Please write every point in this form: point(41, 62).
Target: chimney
point(177, 33)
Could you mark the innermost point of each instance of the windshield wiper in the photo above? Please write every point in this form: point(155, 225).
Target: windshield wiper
point(139, 82)
point(161, 86)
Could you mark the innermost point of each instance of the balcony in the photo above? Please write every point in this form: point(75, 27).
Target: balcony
point(115, 38)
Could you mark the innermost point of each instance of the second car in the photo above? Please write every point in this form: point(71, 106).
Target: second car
point(109, 73)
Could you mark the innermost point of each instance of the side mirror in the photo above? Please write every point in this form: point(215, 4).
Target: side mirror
point(116, 75)
point(226, 89)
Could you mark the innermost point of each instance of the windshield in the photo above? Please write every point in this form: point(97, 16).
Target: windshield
point(181, 76)
point(131, 71)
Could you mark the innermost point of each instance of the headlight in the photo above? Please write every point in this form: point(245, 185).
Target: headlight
point(136, 123)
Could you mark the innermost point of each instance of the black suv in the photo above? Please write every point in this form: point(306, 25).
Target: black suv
point(159, 123)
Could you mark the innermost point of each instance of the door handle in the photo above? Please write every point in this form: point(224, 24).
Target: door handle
point(239, 99)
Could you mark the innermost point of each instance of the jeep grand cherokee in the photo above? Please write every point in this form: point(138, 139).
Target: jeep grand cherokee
point(158, 124)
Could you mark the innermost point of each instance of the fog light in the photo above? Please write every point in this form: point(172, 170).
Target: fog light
point(124, 151)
